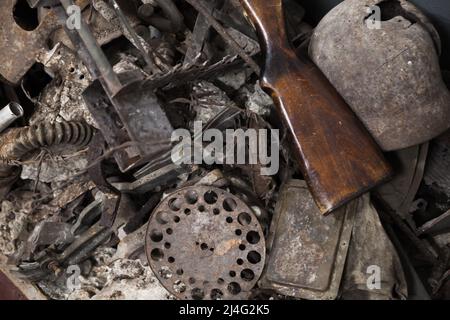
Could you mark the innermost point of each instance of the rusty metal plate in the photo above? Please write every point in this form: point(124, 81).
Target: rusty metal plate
point(19, 48)
point(138, 118)
point(205, 243)
point(8, 290)
point(307, 251)
point(13, 288)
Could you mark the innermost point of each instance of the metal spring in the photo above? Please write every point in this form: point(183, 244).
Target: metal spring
point(48, 135)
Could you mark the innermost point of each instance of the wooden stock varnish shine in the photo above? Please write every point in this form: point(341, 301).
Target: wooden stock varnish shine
point(338, 157)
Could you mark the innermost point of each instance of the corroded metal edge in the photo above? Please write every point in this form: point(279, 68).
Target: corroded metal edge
point(18, 289)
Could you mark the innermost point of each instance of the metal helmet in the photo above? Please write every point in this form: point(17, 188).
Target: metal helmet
point(382, 56)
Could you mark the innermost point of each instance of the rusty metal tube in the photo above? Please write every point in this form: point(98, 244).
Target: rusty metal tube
point(9, 114)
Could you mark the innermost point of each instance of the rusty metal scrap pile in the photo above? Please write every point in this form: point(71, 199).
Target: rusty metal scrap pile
point(94, 207)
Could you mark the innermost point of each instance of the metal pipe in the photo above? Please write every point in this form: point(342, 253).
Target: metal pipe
point(9, 114)
point(174, 21)
point(172, 12)
point(146, 10)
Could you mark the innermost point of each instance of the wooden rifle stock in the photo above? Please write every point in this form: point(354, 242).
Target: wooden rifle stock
point(338, 157)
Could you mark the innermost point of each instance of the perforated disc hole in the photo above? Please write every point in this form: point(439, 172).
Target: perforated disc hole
point(205, 243)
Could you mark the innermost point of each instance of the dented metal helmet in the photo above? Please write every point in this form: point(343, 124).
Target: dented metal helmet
point(382, 56)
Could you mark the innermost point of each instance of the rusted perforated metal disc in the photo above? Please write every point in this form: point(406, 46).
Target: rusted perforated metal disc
point(205, 243)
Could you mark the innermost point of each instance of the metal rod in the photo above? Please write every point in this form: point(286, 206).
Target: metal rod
point(200, 6)
point(98, 56)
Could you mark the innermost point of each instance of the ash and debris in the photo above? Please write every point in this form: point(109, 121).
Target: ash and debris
point(105, 279)
point(209, 100)
point(257, 101)
point(14, 218)
point(62, 98)
point(56, 187)
point(55, 169)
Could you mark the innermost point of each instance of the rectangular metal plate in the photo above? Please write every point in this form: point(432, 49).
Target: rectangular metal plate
point(307, 251)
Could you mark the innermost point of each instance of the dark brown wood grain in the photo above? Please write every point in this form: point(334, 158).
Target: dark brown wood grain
point(338, 157)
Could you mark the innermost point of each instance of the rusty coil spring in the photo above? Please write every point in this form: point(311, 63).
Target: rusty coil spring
point(47, 135)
